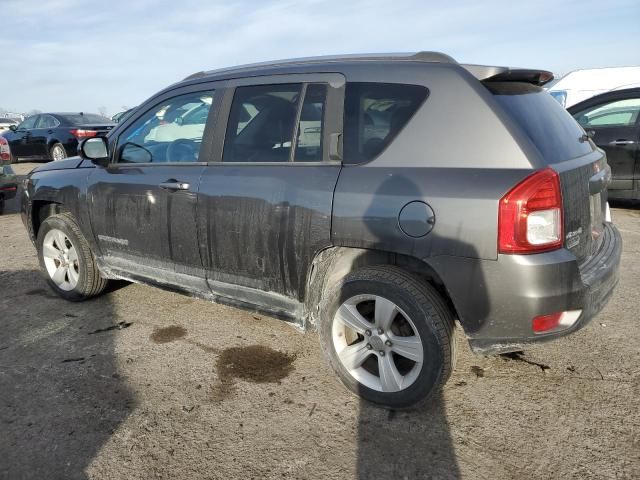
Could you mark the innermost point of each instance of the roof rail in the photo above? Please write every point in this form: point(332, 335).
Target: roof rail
point(433, 57)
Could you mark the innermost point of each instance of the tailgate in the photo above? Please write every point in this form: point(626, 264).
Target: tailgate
point(584, 196)
point(562, 145)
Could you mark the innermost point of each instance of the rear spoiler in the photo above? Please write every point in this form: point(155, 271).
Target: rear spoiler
point(486, 73)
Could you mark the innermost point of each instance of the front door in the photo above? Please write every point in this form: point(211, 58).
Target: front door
point(20, 140)
point(615, 127)
point(144, 205)
point(267, 204)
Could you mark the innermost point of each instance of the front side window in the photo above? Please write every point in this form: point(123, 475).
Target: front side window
point(28, 123)
point(261, 121)
point(621, 113)
point(374, 113)
point(47, 121)
point(170, 132)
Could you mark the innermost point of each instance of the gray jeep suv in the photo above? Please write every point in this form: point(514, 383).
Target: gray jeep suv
point(375, 199)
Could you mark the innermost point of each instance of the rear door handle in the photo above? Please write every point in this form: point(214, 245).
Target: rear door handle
point(174, 185)
point(622, 142)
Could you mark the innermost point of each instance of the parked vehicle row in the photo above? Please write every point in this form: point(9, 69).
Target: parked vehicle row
point(53, 136)
point(348, 195)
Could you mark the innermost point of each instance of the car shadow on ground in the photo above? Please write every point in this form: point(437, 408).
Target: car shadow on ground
point(405, 445)
point(416, 443)
point(61, 393)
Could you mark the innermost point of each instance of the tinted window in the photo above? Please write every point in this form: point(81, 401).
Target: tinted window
point(310, 128)
point(620, 113)
point(28, 123)
point(549, 126)
point(261, 122)
point(47, 121)
point(86, 119)
point(170, 132)
point(374, 114)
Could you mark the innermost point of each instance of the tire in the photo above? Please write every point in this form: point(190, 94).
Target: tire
point(1, 205)
point(421, 324)
point(57, 152)
point(82, 279)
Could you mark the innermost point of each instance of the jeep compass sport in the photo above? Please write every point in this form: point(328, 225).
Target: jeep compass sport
point(375, 199)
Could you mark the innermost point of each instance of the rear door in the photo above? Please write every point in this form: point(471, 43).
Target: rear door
point(39, 136)
point(614, 122)
point(266, 195)
point(144, 205)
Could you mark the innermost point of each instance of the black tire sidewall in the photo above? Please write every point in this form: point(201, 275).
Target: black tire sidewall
point(433, 367)
point(61, 223)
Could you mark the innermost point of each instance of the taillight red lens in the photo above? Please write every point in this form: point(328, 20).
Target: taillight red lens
point(5, 153)
point(81, 133)
point(530, 215)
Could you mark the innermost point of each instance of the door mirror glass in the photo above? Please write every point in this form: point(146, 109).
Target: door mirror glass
point(13, 128)
point(96, 150)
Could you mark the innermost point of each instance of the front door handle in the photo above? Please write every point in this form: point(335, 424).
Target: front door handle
point(175, 185)
point(622, 142)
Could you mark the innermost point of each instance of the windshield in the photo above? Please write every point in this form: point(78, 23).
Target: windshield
point(86, 118)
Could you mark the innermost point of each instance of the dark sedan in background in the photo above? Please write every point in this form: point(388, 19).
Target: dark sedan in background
point(53, 136)
point(613, 121)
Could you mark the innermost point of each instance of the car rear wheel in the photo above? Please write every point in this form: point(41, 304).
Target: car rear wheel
point(66, 259)
point(1, 205)
point(388, 336)
point(57, 152)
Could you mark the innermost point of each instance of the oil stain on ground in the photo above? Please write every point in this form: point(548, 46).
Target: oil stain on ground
point(168, 334)
point(254, 363)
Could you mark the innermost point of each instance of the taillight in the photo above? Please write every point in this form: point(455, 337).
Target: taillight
point(5, 153)
point(81, 133)
point(530, 215)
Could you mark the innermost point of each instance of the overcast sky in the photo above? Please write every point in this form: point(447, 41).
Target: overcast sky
point(84, 54)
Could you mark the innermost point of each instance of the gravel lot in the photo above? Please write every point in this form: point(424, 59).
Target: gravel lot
point(182, 388)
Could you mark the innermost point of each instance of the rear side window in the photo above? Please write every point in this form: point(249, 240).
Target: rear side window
point(47, 121)
point(374, 113)
point(547, 124)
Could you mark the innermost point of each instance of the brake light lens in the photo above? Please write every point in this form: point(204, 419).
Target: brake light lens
point(530, 215)
point(5, 152)
point(81, 133)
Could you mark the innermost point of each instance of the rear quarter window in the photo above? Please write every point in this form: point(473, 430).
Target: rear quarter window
point(548, 125)
point(374, 113)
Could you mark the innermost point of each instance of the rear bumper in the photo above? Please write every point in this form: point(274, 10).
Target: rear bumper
point(496, 301)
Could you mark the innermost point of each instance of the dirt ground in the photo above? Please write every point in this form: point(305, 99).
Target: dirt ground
point(142, 383)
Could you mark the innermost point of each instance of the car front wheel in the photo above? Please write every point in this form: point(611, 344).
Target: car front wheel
point(388, 336)
point(66, 259)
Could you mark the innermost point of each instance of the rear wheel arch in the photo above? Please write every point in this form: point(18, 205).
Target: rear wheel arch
point(334, 263)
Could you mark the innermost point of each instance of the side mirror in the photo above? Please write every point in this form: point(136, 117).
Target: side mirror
point(13, 128)
point(96, 150)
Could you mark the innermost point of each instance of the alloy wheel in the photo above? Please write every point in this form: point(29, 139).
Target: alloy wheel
point(377, 343)
point(61, 259)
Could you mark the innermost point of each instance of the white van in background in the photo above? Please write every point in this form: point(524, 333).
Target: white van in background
point(579, 85)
